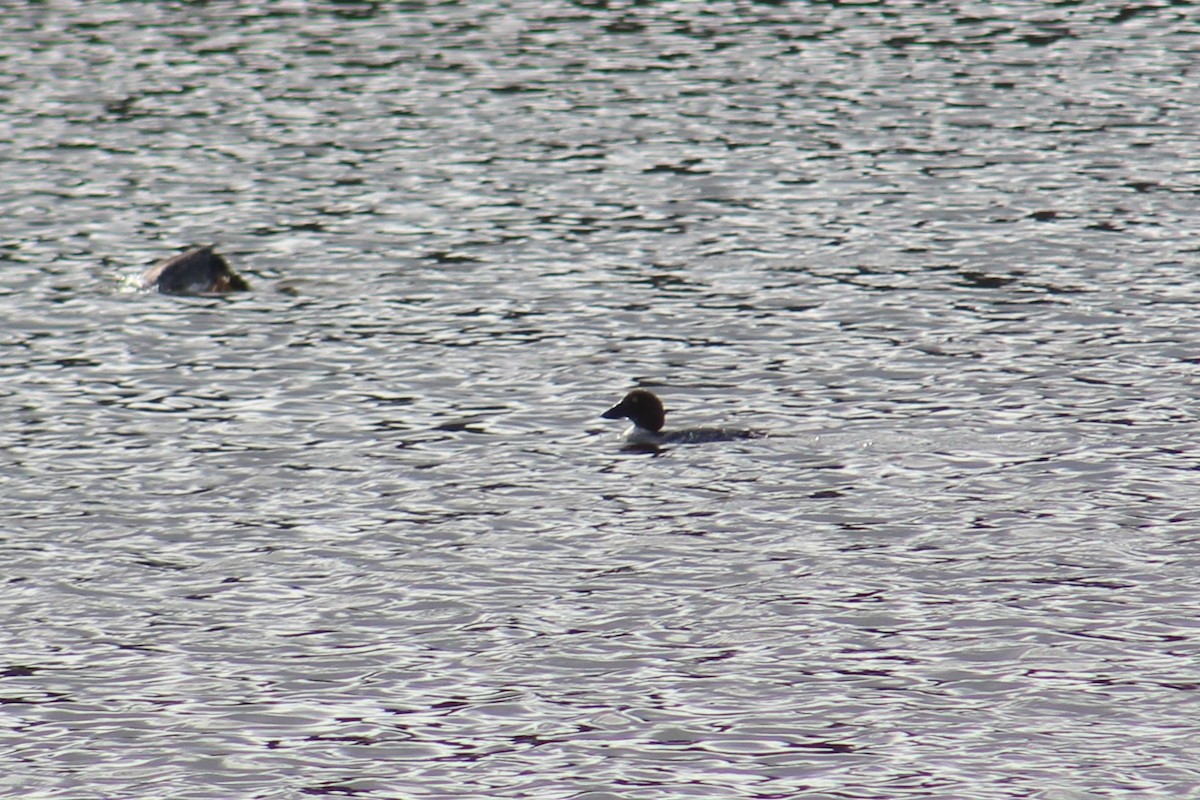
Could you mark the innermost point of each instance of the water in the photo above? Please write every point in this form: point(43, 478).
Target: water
point(361, 532)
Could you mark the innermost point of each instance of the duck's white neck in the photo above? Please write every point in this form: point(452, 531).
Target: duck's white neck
point(639, 435)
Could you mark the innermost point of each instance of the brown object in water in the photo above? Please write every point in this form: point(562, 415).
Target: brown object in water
point(198, 271)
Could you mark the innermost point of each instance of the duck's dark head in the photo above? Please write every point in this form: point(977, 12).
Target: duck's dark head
point(642, 408)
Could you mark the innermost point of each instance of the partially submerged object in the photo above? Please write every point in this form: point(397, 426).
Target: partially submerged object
point(200, 270)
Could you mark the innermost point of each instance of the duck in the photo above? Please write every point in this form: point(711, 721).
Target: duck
point(201, 270)
point(646, 412)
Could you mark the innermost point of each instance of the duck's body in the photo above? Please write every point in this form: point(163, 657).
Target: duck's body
point(200, 270)
point(645, 411)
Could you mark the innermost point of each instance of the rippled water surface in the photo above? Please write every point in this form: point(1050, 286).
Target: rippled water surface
point(360, 531)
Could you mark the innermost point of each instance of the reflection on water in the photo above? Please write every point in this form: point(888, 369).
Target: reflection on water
point(361, 531)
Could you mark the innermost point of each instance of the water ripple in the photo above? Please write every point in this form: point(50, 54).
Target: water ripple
point(360, 531)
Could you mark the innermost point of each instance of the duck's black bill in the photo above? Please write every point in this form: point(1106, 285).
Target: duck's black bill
point(616, 412)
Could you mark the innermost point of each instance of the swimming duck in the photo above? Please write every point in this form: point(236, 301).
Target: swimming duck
point(645, 411)
point(200, 270)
